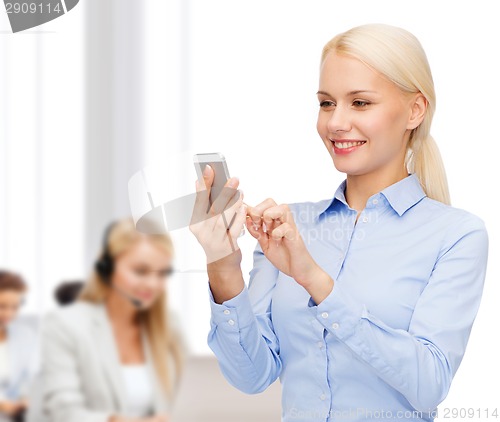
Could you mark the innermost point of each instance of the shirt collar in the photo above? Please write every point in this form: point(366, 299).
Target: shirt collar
point(401, 195)
point(404, 194)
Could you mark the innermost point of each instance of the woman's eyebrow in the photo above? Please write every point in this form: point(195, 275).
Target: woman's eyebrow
point(358, 91)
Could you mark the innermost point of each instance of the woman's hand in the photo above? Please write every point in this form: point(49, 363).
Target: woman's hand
point(274, 227)
point(210, 223)
point(210, 226)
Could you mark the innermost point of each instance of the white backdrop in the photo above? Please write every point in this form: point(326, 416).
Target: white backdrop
point(41, 154)
point(246, 86)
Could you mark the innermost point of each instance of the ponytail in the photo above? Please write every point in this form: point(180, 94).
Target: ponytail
point(424, 159)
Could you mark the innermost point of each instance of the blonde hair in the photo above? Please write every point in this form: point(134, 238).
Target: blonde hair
point(164, 344)
point(398, 56)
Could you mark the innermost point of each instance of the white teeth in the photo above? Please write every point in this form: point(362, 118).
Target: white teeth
point(343, 145)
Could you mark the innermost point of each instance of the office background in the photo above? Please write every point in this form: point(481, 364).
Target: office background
point(114, 86)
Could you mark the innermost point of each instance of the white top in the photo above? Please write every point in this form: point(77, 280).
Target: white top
point(4, 368)
point(138, 390)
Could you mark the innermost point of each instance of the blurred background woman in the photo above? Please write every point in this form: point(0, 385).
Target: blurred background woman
point(17, 349)
point(112, 355)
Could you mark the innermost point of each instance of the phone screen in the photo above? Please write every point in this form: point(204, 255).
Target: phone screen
point(218, 163)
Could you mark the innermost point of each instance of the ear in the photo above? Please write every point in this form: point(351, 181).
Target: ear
point(417, 112)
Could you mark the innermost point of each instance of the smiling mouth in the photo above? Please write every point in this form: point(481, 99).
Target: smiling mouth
point(346, 144)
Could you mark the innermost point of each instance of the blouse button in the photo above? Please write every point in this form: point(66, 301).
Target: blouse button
point(322, 397)
point(335, 325)
point(365, 219)
point(375, 201)
point(231, 322)
point(227, 311)
point(324, 315)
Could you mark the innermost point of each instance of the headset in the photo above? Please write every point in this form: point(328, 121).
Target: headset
point(104, 267)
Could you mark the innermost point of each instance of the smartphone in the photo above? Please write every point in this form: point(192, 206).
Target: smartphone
point(218, 163)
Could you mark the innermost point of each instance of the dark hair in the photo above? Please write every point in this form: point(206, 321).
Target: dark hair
point(67, 292)
point(12, 281)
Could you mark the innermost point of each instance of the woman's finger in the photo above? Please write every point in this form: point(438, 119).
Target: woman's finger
point(257, 211)
point(208, 177)
point(252, 229)
point(201, 203)
point(285, 230)
point(226, 218)
point(238, 221)
point(227, 197)
point(237, 208)
point(258, 233)
point(276, 214)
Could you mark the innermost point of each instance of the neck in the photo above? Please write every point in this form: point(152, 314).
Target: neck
point(359, 188)
point(120, 310)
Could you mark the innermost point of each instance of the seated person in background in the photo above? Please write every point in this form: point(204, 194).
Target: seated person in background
point(17, 349)
point(67, 292)
point(112, 356)
point(64, 294)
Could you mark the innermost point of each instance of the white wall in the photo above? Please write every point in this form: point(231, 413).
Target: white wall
point(41, 154)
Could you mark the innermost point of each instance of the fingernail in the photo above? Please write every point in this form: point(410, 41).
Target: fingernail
point(205, 171)
point(232, 182)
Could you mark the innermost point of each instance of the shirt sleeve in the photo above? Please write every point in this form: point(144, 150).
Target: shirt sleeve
point(62, 397)
point(421, 362)
point(241, 331)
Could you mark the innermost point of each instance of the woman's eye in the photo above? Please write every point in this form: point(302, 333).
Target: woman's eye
point(360, 103)
point(141, 272)
point(325, 104)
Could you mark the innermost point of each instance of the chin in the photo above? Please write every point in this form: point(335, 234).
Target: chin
point(350, 169)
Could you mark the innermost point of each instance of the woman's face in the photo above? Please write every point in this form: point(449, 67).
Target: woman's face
point(141, 271)
point(10, 301)
point(364, 120)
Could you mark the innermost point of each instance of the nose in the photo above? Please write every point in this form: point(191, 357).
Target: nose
point(339, 120)
point(154, 280)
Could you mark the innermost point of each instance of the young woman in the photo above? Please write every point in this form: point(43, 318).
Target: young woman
point(17, 349)
point(362, 303)
point(112, 355)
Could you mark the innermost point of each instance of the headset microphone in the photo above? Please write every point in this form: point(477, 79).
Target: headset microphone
point(134, 301)
point(104, 266)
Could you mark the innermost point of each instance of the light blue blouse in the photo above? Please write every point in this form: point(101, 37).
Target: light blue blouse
point(387, 341)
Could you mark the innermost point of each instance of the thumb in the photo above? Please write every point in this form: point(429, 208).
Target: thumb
point(208, 177)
